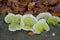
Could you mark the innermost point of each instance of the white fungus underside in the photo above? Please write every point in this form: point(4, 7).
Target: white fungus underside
point(10, 14)
point(41, 21)
point(41, 15)
point(23, 26)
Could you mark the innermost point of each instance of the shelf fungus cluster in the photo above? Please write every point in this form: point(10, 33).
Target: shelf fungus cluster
point(28, 22)
point(14, 21)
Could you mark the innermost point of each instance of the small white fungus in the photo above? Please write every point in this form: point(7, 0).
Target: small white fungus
point(53, 34)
